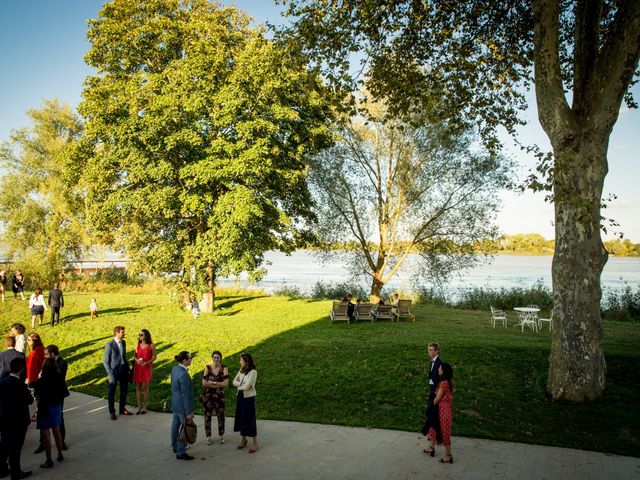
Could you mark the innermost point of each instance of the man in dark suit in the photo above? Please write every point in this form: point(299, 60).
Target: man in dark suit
point(181, 402)
point(115, 363)
point(15, 399)
point(433, 414)
point(56, 302)
point(7, 355)
point(52, 351)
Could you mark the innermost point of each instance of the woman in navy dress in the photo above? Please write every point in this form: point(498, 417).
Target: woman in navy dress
point(245, 420)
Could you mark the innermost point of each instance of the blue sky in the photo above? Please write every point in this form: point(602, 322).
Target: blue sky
point(43, 43)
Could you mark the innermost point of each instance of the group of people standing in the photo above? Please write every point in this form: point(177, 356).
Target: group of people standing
point(17, 284)
point(215, 379)
point(40, 374)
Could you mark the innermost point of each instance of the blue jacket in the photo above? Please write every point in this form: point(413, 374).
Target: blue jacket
point(111, 359)
point(181, 391)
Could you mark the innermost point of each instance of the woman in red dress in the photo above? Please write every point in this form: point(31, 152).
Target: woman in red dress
point(144, 357)
point(35, 358)
point(444, 399)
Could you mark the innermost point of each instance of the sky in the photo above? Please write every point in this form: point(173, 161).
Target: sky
point(43, 43)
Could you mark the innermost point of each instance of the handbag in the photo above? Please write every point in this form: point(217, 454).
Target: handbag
point(188, 432)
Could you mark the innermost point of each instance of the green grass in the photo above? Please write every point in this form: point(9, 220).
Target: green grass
point(362, 374)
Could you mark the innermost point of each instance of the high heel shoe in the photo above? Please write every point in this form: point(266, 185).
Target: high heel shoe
point(254, 449)
point(60, 458)
point(443, 459)
point(241, 445)
point(47, 464)
point(430, 451)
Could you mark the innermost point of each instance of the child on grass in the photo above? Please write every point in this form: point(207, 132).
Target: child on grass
point(93, 308)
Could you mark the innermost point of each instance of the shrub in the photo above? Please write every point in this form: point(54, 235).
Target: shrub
point(506, 299)
point(290, 291)
point(335, 291)
point(622, 305)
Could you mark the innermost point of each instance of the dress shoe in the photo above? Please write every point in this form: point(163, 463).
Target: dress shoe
point(24, 474)
point(184, 456)
point(113, 416)
point(40, 449)
point(126, 412)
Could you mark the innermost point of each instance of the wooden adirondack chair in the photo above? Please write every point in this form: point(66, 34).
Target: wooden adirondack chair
point(339, 312)
point(384, 312)
point(363, 312)
point(403, 310)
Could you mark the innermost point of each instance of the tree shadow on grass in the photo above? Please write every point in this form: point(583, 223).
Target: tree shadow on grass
point(71, 354)
point(112, 311)
point(233, 301)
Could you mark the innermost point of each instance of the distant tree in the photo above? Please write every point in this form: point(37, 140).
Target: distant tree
point(200, 130)
point(482, 56)
point(41, 207)
point(398, 189)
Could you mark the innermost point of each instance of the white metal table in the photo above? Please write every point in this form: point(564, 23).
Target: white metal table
point(528, 317)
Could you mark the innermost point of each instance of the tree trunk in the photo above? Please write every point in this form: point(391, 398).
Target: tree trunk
point(577, 367)
point(208, 298)
point(376, 288)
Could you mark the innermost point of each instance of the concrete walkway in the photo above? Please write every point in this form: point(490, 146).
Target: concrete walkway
point(138, 448)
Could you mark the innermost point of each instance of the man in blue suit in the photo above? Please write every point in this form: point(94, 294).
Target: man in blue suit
point(181, 402)
point(115, 363)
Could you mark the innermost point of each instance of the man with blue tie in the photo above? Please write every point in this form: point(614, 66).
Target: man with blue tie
point(182, 403)
point(115, 363)
point(432, 424)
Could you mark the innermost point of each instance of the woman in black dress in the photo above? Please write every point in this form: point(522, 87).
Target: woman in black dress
point(245, 420)
point(50, 391)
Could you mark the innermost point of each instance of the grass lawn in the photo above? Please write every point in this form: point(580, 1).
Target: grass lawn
point(361, 374)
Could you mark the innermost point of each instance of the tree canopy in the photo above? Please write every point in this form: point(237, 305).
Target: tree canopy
point(201, 129)
point(41, 207)
point(406, 192)
point(481, 57)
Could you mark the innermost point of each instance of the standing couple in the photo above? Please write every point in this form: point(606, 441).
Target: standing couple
point(439, 406)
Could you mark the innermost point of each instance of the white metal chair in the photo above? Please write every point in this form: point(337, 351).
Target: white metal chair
point(548, 320)
point(528, 320)
point(498, 315)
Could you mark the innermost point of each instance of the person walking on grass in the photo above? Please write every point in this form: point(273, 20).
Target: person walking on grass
point(56, 302)
point(431, 427)
point(182, 402)
point(93, 309)
point(245, 419)
point(17, 284)
point(214, 380)
point(3, 283)
point(144, 356)
point(15, 399)
point(37, 306)
point(115, 363)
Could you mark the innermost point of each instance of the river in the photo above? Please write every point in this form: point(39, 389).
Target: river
point(303, 269)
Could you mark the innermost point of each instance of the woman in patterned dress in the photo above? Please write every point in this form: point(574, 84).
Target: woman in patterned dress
point(444, 399)
point(144, 356)
point(214, 379)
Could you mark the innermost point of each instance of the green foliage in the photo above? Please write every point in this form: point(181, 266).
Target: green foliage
point(200, 130)
point(360, 374)
point(622, 248)
point(622, 305)
point(336, 291)
point(41, 206)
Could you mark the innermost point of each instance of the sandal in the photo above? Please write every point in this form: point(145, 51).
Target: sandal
point(241, 445)
point(47, 464)
point(430, 451)
point(446, 459)
point(254, 449)
point(221, 439)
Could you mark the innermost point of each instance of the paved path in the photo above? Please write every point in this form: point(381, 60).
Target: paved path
point(138, 448)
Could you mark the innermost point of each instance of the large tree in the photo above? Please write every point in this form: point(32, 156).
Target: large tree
point(41, 207)
point(402, 191)
point(200, 128)
point(482, 55)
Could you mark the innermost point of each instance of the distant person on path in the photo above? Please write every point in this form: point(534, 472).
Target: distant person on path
point(3, 283)
point(53, 352)
point(15, 399)
point(93, 309)
point(37, 306)
point(56, 302)
point(444, 400)
point(350, 306)
point(50, 391)
point(245, 419)
point(214, 380)
point(182, 402)
point(17, 284)
point(17, 331)
point(431, 427)
point(115, 363)
point(144, 356)
point(7, 356)
point(35, 358)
